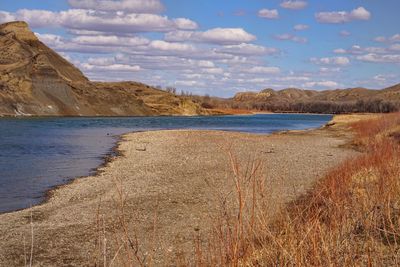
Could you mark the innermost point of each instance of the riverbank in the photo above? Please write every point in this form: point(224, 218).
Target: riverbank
point(164, 189)
point(349, 218)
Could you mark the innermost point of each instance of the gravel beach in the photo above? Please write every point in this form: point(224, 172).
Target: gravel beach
point(169, 182)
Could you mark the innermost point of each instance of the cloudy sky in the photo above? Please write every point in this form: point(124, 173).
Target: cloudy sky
point(220, 47)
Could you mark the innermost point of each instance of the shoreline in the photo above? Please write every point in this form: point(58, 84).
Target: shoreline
point(75, 198)
point(110, 156)
point(115, 152)
point(107, 158)
point(155, 116)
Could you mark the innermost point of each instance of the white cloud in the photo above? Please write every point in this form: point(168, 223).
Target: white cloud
point(206, 64)
point(93, 44)
point(238, 60)
point(325, 70)
point(294, 4)
point(133, 6)
point(341, 61)
point(345, 33)
point(380, 39)
point(213, 70)
point(268, 13)
point(120, 22)
point(395, 38)
point(255, 80)
point(86, 32)
point(359, 13)
point(101, 21)
point(340, 51)
point(50, 39)
point(301, 27)
point(101, 61)
point(326, 84)
point(375, 58)
point(38, 18)
point(214, 36)
point(383, 39)
point(358, 50)
point(6, 17)
point(111, 67)
point(293, 78)
point(185, 24)
point(263, 70)
point(246, 50)
point(102, 40)
point(385, 80)
point(171, 47)
point(227, 35)
point(189, 83)
point(291, 37)
point(394, 47)
point(380, 78)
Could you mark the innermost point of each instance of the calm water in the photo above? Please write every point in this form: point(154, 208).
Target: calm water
point(37, 154)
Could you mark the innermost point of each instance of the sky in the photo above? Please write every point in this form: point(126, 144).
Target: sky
point(220, 47)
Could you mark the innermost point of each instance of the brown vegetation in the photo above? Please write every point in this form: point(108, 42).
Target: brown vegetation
point(350, 218)
point(354, 100)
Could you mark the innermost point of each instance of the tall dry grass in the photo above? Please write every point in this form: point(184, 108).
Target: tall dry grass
point(372, 131)
point(117, 242)
point(350, 218)
point(236, 227)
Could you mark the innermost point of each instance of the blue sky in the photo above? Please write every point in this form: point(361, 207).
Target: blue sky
point(220, 47)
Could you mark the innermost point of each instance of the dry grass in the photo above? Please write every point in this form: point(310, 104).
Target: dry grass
point(236, 227)
point(372, 131)
point(352, 118)
point(350, 218)
point(126, 250)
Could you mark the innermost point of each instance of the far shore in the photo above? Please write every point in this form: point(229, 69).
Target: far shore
point(212, 112)
point(172, 176)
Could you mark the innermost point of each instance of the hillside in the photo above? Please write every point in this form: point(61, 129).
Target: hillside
point(340, 95)
point(35, 80)
point(332, 101)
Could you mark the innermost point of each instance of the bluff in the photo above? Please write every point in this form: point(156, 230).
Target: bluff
point(35, 80)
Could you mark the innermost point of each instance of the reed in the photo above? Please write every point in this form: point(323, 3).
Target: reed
point(350, 218)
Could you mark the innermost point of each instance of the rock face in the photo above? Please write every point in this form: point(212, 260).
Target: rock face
point(35, 80)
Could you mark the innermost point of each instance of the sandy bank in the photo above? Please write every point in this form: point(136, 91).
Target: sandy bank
point(169, 180)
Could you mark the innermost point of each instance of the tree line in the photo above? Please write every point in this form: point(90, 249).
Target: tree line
point(360, 106)
point(331, 107)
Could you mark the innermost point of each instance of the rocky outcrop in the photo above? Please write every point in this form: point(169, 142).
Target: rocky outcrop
point(35, 80)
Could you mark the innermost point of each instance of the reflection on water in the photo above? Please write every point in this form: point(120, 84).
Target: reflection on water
point(39, 153)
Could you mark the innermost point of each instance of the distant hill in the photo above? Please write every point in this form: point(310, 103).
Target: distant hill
point(332, 101)
point(340, 95)
point(309, 101)
point(35, 80)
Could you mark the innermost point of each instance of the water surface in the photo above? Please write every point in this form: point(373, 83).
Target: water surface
point(37, 154)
